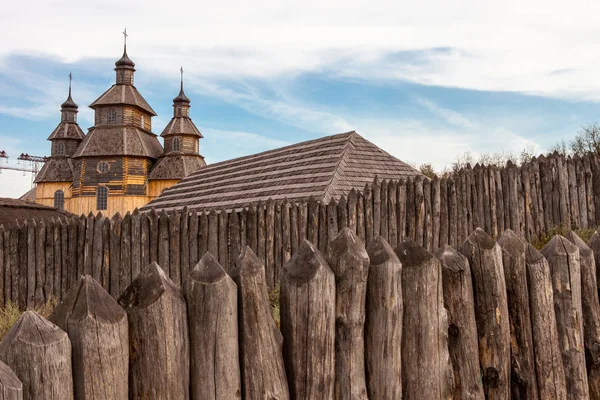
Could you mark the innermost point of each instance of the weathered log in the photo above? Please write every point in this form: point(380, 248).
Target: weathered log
point(426, 367)
point(115, 256)
point(491, 312)
point(590, 190)
point(97, 328)
point(213, 323)
point(581, 193)
point(270, 243)
point(11, 387)
point(443, 212)
point(203, 232)
point(435, 217)
point(158, 337)
point(252, 229)
point(563, 258)
point(105, 282)
point(308, 324)
point(548, 359)
point(174, 271)
point(383, 226)
point(213, 233)
point(352, 208)
point(89, 245)
point(462, 328)
point(193, 239)
point(332, 226)
point(223, 239)
point(594, 244)
point(401, 205)
point(360, 217)
point(39, 353)
point(312, 227)
point(97, 248)
point(136, 243)
point(261, 360)
point(125, 267)
point(350, 263)
point(410, 209)
point(234, 237)
point(343, 210)
point(184, 255)
point(368, 193)
point(523, 380)
point(163, 242)
point(573, 201)
point(376, 206)
point(30, 275)
point(286, 236)
point(419, 210)
point(452, 213)
point(427, 232)
point(383, 327)
point(591, 313)
point(145, 227)
point(58, 261)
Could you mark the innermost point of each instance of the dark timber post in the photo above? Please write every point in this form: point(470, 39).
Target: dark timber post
point(97, 327)
point(39, 353)
point(350, 263)
point(383, 329)
point(462, 329)
point(426, 368)
point(11, 387)
point(491, 312)
point(523, 381)
point(213, 321)
point(158, 337)
point(563, 258)
point(261, 360)
point(308, 324)
point(548, 359)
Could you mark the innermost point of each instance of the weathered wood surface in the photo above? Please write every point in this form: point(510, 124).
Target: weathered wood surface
point(39, 353)
point(349, 261)
point(383, 327)
point(308, 324)
point(158, 337)
point(261, 360)
point(548, 358)
point(11, 387)
point(213, 325)
point(591, 313)
point(426, 366)
point(491, 312)
point(462, 328)
point(563, 258)
point(523, 380)
point(98, 330)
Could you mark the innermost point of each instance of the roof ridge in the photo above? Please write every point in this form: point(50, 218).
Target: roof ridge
point(328, 192)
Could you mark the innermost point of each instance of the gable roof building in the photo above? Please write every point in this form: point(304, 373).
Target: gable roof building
point(324, 168)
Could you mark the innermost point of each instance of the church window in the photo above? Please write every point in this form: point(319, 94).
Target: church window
point(196, 146)
point(101, 198)
point(176, 144)
point(60, 149)
point(103, 166)
point(59, 199)
point(112, 116)
point(142, 121)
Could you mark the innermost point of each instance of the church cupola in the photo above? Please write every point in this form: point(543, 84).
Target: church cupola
point(181, 103)
point(69, 108)
point(124, 67)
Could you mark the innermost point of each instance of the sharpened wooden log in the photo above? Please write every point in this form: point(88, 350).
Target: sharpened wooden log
point(594, 244)
point(563, 258)
point(523, 380)
point(39, 353)
point(491, 312)
point(462, 328)
point(548, 359)
point(158, 337)
point(97, 328)
point(11, 387)
point(350, 263)
point(383, 328)
point(426, 367)
point(213, 322)
point(261, 360)
point(591, 313)
point(308, 324)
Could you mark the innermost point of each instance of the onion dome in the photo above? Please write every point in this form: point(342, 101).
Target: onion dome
point(125, 62)
point(181, 97)
point(69, 103)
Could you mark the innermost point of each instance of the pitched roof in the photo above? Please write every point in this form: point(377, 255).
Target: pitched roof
point(324, 168)
point(13, 210)
point(56, 169)
point(181, 126)
point(176, 166)
point(67, 130)
point(123, 94)
point(119, 140)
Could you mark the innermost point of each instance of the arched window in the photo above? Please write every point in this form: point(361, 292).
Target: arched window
point(176, 144)
point(112, 116)
point(101, 198)
point(142, 121)
point(60, 149)
point(59, 199)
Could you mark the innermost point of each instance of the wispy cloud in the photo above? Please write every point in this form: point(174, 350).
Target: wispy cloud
point(450, 116)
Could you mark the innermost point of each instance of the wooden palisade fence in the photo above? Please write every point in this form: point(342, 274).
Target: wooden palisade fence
point(491, 320)
point(39, 260)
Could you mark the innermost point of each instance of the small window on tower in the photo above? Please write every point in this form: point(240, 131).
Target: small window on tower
point(112, 116)
point(176, 144)
point(59, 199)
point(103, 166)
point(102, 198)
point(142, 121)
point(60, 149)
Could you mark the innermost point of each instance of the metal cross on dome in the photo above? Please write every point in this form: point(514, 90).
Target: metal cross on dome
point(125, 36)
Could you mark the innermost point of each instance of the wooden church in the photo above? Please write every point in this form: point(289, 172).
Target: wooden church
point(119, 165)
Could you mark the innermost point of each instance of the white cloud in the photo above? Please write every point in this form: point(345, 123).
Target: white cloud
point(451, 116)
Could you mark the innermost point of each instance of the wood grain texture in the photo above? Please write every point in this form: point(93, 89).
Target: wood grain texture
point(11, 387)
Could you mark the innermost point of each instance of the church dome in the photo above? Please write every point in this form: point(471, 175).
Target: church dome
point(69, 103)
point(125, 61)
point(181, 98)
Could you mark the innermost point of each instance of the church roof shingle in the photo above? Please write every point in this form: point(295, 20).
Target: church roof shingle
point(176, 166)
point(67, 130)
point(123, 94)
point(119, 140)
point(324, 168)
point(56, 169)
point(181, 126)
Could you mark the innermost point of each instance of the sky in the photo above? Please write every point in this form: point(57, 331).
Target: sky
point(425, 81)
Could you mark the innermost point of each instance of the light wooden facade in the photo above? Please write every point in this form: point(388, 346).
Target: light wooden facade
point(119, 165)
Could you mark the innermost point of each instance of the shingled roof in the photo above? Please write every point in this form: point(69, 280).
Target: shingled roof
point(324, 168)
point(123, 94)
point(119, 140)
point(56, 169)
point(13, 210)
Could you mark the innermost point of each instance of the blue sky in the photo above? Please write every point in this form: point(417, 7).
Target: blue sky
point(426, 83)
